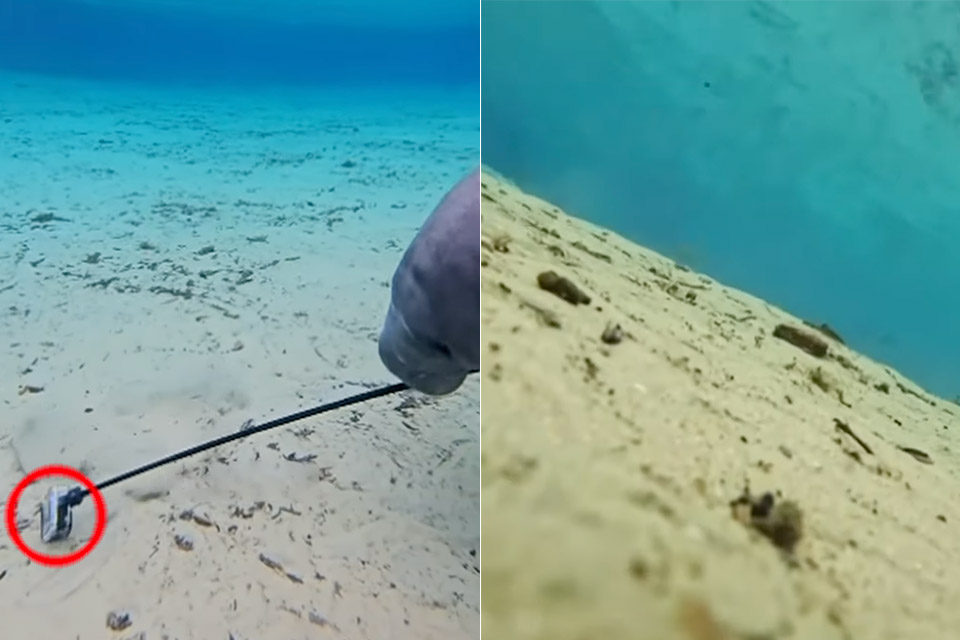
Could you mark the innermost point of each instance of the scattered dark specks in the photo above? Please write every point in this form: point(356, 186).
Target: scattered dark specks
point(46, 218)
point(801, 339)
point(270, 563)
point(29, 388)
point(780, 522)
point(562, 288)
point(546, 317)
point(588, 250)
point(201, 519)
point(348, 164)
point(592, 368)
point(613, 334)
point(252, 239)
point(118, 620)
point(844, 428)
point(502, 243)
point(147, 496)
point(519, 468)
point(819, 378)
point(293, 457)
point(183, 542)
point(317, 619)
point(408, 405)
point(918, 455)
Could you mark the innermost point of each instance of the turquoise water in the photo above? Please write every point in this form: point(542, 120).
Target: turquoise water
point(802, 151)
point(201, 206)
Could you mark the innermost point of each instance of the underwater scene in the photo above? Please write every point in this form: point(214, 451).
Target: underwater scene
point(203, 208)
point(719, 297)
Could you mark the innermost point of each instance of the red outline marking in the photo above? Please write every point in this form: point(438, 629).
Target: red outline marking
point(73, 474)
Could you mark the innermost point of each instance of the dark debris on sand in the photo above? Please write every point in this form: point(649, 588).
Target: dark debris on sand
point(804, 340)
point(562, 287)
point(781, 522)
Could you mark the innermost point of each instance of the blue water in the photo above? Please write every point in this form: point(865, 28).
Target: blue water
point(780, 147)
point(130, 40)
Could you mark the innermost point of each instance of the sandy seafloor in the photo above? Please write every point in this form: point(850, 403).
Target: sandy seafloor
point(173, 264)
point(609, 469)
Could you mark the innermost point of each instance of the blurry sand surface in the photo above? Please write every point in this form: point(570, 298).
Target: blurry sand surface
point(609, 468)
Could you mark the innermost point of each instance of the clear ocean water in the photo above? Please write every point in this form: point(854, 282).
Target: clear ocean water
point(804, 152)
point(244, 43)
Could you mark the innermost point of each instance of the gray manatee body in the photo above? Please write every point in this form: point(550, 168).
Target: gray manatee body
point(431, 336)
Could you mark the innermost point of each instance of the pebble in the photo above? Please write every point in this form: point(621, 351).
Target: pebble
point(318, 619)
point(613, 334)
point(270, 562)
point(183, 541)
point(118, 620)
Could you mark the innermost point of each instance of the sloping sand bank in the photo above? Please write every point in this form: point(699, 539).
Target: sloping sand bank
point(609, 467)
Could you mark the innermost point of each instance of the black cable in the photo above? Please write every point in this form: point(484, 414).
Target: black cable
point(76, 495)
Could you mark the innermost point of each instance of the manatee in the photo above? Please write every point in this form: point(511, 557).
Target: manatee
point(431, 335)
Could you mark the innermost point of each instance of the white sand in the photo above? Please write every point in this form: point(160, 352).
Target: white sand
point(608, 470)
point(282, 315)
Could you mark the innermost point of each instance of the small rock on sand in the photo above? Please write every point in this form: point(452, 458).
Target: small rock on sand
point(118, 620)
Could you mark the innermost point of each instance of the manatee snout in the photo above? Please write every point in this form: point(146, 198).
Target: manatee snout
point(431, 335)
point(426, 366)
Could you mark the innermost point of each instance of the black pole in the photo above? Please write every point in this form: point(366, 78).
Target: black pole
point(216, 442)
